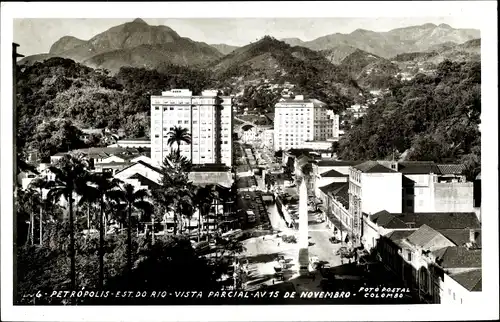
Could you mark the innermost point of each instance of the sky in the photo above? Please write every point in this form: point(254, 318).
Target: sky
point(37, 35)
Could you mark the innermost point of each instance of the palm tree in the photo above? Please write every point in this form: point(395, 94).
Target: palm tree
point(135, 199)
point(104, 186)
point(203, 199)
point(71, 175)
point(178, 135)
point(40, 183)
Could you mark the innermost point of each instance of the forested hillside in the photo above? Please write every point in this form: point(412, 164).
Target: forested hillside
point(428, 118)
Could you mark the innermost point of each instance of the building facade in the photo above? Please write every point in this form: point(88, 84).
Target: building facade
point(208, 118)
point(372, 188)
point(299, 120)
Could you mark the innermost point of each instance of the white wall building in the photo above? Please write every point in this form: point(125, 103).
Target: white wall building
point(372, 188)
point(299, 120)
point(210, 127)
point(132, 143)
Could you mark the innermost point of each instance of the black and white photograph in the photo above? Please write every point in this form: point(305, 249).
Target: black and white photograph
point(190, 157)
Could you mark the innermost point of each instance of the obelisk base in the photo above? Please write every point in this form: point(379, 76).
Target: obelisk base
point(303, 261)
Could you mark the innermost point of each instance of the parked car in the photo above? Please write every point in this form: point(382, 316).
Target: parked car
point(334, 240)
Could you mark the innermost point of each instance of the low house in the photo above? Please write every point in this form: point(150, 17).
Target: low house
point(132, 143)
point(383, 222)
point(335, 209)
point(144, 169)
point(434, 262)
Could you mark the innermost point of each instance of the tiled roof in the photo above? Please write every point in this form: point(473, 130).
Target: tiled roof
point(451, 168)
point(458, 257)
point(333, 163)
point(332, 187)
point(147, 165)
point(461, 236)
point(342, 195)
point(126, 156)
point(427, 238)
point(373, 167)
point(417, 167)
point(470, 280)
point(384, 219)
point(339, 190)
point(145, 181)
point(396, 235)
point(442, 220)
point(333, 174)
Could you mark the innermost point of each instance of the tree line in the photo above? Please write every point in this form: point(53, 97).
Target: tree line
point(63, 252)
point(429, 118)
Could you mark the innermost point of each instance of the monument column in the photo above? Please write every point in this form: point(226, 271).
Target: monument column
point(303, 230)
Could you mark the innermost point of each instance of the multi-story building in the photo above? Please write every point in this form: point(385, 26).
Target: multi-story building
point(372, 188)
point(299, 120)
point(431, 187)
point(208, 118)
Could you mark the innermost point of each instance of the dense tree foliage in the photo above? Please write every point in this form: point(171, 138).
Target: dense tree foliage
point(433, 118)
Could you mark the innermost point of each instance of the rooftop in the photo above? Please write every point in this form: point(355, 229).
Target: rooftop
point(373, 167)
point(338, 163)
point(417, 167)
point(338, 190)
point(451, 168)
point(145, 181)
point(333, 174)
point(145, 164)
point(458, 257)
point(141, 140)
point(397, 235)
point(442, 220)
point(470, 280)
point(428, 238)
point(460, 237)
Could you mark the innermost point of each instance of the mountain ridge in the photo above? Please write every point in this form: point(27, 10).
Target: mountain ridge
point(126, 44)
point(390, 43)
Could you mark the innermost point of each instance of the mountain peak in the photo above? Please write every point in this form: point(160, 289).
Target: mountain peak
point(139, 20)
point(444, 26)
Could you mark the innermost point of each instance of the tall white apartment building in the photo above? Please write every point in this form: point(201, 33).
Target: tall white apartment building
point(299, 120)
point(208, 118)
